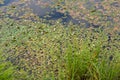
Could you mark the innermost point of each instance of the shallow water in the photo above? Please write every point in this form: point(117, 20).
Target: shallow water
point(7, 2)
point(48, 13)
point(26, 41)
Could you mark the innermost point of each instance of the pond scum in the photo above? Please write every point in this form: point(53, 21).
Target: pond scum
point(32, 50)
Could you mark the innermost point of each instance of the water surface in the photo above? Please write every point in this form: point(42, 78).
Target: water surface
point(44, 11)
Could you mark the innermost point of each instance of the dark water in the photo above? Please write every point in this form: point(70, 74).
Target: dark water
point(6, 2)
point(53, 14)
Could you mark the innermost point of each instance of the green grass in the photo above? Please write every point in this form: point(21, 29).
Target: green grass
point(37, 51)
point(6, 72)
point(45, 52)
point(6, 69)
point(86, 65)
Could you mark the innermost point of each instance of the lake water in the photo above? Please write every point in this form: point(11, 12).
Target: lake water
point(49, 13)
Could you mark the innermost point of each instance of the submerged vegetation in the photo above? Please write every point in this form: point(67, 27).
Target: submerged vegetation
point(36, 49)
point(54, 52)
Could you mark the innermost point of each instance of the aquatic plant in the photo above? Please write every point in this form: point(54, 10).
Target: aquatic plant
point(39, 50)
point(6, 69)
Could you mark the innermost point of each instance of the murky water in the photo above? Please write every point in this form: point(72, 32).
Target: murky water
point(49, 13)
point(7, 2)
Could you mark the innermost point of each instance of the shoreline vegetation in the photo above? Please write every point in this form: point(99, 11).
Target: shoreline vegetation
point(58, 53)
point(36, 50)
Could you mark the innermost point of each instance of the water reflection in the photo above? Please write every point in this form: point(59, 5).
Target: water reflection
point(48, 13)
point(6, 2)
